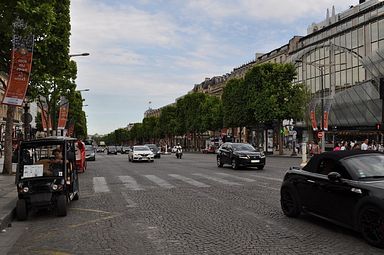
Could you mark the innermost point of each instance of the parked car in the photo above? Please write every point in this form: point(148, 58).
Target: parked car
point(141, 153)
point(344, 187)
point(125, 149)
point(90, 153)
point(156, 151)
point(240, 154)
point(46, 175)
point(112, 150)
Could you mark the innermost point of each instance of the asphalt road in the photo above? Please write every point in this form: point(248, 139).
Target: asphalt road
point(187, 206)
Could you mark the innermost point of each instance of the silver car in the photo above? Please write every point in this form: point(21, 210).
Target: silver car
point(141, 153)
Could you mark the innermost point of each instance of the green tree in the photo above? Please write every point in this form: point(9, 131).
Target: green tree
point(212, 113)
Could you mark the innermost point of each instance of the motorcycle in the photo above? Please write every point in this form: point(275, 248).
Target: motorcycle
point(179, 153)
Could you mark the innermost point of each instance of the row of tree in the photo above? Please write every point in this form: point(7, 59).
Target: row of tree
point(265, 95)
point(53, 72)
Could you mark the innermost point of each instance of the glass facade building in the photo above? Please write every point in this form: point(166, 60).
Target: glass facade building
point(341, 60)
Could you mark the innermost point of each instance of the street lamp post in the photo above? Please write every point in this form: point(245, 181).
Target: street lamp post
point(321, 69)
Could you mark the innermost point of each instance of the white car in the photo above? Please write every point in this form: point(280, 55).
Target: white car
point(141, 153)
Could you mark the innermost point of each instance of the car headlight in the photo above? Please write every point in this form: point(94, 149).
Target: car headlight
point(244, 156)
point(135, 155)
point(54, 186)
point(25, 189)
point(262, 155)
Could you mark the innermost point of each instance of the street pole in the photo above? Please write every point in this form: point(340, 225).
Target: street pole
point(322, 108)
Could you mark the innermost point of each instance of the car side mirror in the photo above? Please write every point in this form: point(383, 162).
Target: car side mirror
point(334, 176)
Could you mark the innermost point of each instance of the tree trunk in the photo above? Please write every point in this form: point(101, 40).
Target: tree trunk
point(7, 167)
point(281, 152)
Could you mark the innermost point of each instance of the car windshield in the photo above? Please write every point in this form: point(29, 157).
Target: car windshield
point(41, 160)
point(141, 148)
point(243, 147)
point(89, 147)
point(366, 166)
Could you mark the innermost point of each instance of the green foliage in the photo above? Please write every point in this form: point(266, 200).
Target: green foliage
point(168, 121)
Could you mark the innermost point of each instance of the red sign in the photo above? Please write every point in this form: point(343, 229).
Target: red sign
point(20, 70)
point(313, 120)
point(63, 114)
point(325, 120)
point(320, 135)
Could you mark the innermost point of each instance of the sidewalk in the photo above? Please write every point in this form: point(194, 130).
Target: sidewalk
point(8, 197)
point(286, 154)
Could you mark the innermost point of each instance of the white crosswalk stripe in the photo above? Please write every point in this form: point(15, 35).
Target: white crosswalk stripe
point(237, 177)
point(130, 183)
point(217, 179)
point(162, 183)
point(189, 181)
point(100, 185)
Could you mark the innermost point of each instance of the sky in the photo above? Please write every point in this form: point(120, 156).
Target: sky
point(147, 53)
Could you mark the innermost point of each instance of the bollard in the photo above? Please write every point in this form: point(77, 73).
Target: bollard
point(304, 154)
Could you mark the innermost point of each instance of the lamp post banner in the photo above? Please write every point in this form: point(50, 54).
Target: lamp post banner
point(46, 121)
point(313, 120)
point(63, 114)
point(325, 115)
point(20, 70)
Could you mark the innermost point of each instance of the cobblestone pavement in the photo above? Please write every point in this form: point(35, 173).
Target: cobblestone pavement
point(186, 206)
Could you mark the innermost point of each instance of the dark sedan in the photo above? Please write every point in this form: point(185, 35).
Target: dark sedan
point(344, 187)
point(112, 150)
point(156, 151)
point(240, 154)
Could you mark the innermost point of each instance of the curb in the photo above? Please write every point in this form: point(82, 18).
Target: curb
point(8, 214)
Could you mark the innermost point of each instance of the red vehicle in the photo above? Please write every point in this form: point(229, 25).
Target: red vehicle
point(81, 163)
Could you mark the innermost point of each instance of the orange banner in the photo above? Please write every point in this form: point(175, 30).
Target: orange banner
point(46, 121)
point(63, 114)
point(20, 71)
point(325, 120)
point(313, 120)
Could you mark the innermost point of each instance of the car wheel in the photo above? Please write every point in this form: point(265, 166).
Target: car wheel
point(21, 210)
point(218, 160)
point(289, 202)
point(61, 205)
point(371, 223)
point(260, 167)
point(234, 164)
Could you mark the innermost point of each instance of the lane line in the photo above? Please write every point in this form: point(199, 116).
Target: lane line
point(217, 179)
point(100, 185)
point(236, 177)
point(267, 178)
point(130, 202)
point(189, 181)
point(130, 183)
point(162, 183)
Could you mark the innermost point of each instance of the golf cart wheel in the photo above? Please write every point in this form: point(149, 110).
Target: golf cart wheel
point(21, 210)
point(61, 206)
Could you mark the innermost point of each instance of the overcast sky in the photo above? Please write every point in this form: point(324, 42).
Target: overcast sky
point(156, 50)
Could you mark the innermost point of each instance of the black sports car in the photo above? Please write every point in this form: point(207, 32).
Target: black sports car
point(344, 187)
point(240, 154)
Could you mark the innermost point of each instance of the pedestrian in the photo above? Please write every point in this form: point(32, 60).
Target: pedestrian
point(315, 148)
point(337, 147)
point(344, 146)
point(364, 145)
point(356, 146)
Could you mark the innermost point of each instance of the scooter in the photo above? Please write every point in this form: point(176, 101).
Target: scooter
point(179, 153)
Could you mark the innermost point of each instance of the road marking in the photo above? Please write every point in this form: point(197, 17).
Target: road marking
point(237, 177)
point(162, 183)
point(100, 185)
point(217, 179)
point(130, 183)
point(131, 203)
point(267, 178)
point(189, 181)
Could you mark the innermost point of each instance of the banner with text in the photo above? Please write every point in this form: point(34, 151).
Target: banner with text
point(46, 121)
point(63, 114)
point(20, 70)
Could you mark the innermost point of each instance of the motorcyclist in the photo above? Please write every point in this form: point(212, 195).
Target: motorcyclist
point(179, 151)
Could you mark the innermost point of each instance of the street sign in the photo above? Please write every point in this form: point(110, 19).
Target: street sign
point(26, 118)
point(320, 135)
